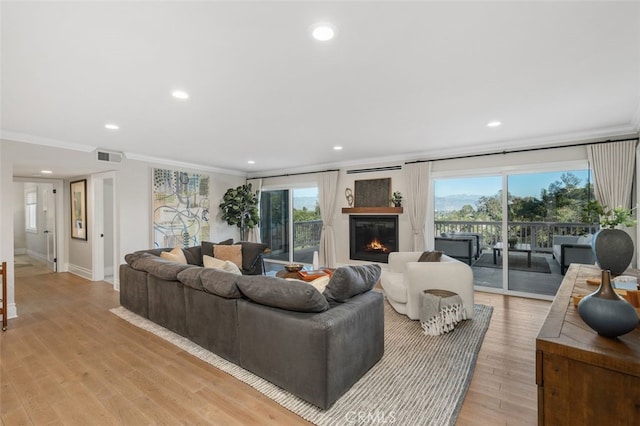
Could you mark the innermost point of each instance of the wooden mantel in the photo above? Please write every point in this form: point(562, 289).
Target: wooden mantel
point(381, 210)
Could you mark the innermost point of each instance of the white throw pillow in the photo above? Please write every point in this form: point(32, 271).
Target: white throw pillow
point(320, 283)
point(222, 265)
point(175, 255)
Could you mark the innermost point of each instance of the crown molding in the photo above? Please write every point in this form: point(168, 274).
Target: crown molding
point(55, 143)
point(183, 164)
point(39, 140)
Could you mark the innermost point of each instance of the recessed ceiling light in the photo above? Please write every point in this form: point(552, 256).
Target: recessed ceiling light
point(251, 162)
point(180, 94)
point(111, 126)
point(337, 148)
point(46, 172)
point(323, 32)
point(494, 124)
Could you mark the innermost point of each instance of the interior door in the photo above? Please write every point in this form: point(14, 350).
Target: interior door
point(49, 207)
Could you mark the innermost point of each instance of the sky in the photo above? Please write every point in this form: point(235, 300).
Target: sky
point(522, 185)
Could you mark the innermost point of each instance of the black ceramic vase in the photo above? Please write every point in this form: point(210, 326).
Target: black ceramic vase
point(606, 312)
point(613, 250)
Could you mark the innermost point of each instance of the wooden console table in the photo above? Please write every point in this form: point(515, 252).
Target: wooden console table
point(584, 378)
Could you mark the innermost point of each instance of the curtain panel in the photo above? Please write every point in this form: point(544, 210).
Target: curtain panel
point(613, 166)
point(417, 175)
point(327, 189)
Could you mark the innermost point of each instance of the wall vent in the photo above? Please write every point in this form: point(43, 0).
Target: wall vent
point(375, 169)
point(109, 156)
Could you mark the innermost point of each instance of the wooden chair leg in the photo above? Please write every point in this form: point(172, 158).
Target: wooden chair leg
point(4, 296)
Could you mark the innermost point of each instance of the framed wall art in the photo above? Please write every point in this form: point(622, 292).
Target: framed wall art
point(79, 210)
point(180, 208)
point(372, 192)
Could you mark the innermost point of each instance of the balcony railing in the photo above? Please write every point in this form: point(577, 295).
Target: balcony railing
point(307, 233)
point(538, 234)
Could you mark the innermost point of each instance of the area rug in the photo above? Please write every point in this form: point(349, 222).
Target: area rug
point(421, 380)
point(517, 262)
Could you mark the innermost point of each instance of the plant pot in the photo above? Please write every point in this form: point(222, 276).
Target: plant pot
point(606, 312)
point(613, 250)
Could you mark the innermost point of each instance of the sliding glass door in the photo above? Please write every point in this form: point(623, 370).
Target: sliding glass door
point(290, 224)
point(517, 222)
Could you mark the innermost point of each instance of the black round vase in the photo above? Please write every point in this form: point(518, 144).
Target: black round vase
point(606, 312)
point(613, 250)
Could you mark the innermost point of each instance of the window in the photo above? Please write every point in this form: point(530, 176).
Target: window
point(290, 224)
point(31, 210)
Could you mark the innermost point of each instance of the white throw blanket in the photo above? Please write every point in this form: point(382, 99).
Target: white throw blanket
point(440, 314)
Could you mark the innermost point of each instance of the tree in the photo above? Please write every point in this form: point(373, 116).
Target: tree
point(239, 207)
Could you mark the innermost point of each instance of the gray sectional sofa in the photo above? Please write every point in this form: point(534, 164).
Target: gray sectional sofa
point(314, 345)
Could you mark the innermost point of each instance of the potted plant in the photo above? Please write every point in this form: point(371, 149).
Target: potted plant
point(612, 246)
point(396, 199)
point(239, 207)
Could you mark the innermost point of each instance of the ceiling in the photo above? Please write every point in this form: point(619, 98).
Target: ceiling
point(401, 80)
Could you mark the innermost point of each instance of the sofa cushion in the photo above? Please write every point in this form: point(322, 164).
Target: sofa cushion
point(222, 265)
point(349, 281)
point(394, 286)
point(207, 247)
point(161, 268)
point(175, 255)
point(191, 278)
point(251, 253)
point(292, 295)
point(220, 283)
point(232, 253)
point(430, 256)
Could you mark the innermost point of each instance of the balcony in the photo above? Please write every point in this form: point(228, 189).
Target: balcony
point(542, 278)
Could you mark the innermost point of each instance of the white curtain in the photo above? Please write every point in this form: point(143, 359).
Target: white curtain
point(254, 234)
point(613, 167)
point(327, 189)
point(417, 175)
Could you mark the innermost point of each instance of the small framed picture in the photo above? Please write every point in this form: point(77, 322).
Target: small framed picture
point(79, 210)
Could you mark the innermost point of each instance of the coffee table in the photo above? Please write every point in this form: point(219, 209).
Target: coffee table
point(523, 248)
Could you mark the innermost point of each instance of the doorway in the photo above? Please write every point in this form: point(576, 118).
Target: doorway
point(104, 227)
point(37, 221)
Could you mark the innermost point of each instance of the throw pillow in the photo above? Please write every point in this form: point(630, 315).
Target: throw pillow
point(228, 252)
point(292, 295)
point(349, 281)
point(430, 256)
point(207, 247)
point(175, 255)
point(320, 283)
point(250, 254)
point(222, 265)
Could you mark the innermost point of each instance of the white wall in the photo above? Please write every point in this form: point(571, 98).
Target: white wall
point(19, 233)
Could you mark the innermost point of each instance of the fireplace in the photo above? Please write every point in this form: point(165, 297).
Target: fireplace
point(372, 238)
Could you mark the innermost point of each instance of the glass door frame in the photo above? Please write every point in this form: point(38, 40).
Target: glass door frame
point(504, 173)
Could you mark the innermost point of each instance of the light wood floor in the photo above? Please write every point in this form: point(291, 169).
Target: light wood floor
point(68, 361)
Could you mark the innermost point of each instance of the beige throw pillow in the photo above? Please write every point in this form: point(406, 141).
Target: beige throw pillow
point(222, 265)
point(226, 252)
point(175, 255)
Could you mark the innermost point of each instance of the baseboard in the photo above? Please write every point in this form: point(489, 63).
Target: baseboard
point(37, 256)
point(80, 271)
point(12, 310)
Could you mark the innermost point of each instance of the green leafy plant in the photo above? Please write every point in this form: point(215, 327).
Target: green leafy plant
point(239, 207)
point(396, 198)
point(594, 212)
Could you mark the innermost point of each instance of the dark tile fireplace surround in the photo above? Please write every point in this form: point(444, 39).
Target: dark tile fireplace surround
point(372, 237)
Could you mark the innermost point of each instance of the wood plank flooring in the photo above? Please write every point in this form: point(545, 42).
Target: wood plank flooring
point(68, 361)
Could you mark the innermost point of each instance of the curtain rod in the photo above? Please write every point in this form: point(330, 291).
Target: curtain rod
point(295, 174)
point(522, 150)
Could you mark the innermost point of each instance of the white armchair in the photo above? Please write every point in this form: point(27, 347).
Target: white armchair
point(406, 279)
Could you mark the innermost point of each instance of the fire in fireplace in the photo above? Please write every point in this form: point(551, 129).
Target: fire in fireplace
point(372, 238)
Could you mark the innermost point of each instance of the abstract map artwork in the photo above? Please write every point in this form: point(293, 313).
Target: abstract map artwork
point(180, 208)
